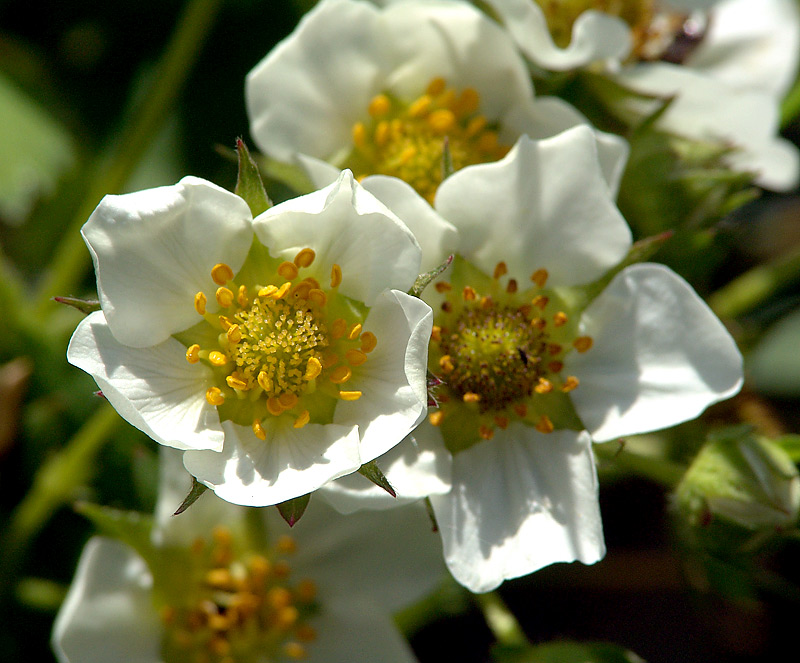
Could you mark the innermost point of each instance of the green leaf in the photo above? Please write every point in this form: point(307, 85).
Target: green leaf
point(774, 364)
point(566, 652)
point(195, 492)
point(249, 184)
point(376, 476)
point(292, 510)
point(423, 280)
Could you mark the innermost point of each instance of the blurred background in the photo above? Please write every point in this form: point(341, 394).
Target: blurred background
point(74, 78)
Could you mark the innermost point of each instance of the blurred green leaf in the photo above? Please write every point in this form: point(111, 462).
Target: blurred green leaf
point(567, 652)
point(774, 364)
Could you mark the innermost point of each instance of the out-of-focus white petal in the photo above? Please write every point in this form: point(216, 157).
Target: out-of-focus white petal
point(545, 205)
point(108, 614)
point(659, 358)
point(154, 389)
point(348, 226)
point(154, 249)
point(519, 502)
point(291, 462)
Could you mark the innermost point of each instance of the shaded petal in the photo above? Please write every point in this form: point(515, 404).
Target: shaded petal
point(154, 249)
point(709, 109)
point(108, 613)
point(595, 36)
point(417, 467)
point(660, 355)
point(393, 381)
point(437, 237)
point(307, 93)
point(545, 204)
point(291, 462)
point(348, 226)
point(520, 502)
point(320, 172)
point(154, 389)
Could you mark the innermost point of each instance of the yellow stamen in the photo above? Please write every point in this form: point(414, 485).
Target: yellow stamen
point(539, 277)
point(264, 382)
point(288, 400)
point(268, 291)
point(294, 651)
point(485, 432)
point(436, 417)
point(193, 354)
point(221, 273)
point(544, 425)
point(273, 406)
point(302, 419)
point(336, 276)
point(234, 334)
point(368, 342)
point(471, 397)
point(359, 134)
point(436, 333)
point(340, 374)
point(259, 431)
point(235, 382)
point(214, 396)
point(469, 294)
point(241, 296)
point(442, 120)
point(224, 297)
point(544, 386)
point(446, 363)
point(330, 359)
point(382, 134)
point(540, 302)
point(355, 357)
point(379, 106)
point(355, 330)
point(569, 384)
point(288, 270)
point(349, 395)
point(512, 286)
point(217, 358)
point(313, 368)
point(283, 290)
point(583, 343)
point(200, 302)
point(469, 101)
point(318, 297)
point(420, 106)
point(436, 86)
point(560, 319)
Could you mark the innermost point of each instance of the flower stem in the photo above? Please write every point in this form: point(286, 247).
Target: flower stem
point(658, 470)
point(747, 291)
point(501, 620)
point(112, 171)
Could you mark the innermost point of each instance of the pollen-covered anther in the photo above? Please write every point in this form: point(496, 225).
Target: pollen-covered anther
point(350, 395)
point(442, 120)
point(540, 302)
point(570, 383)
point(217, 358)
point(368, 342)
point(224, 297)
point(355, 357)
point(288, 270)
point(193, 354)
point(313, 369)
point(442, 286)
point(471, 397)
point(486, 302)
point(583, 343)
point(288, 400)
point(539, 277)
point(214, 396)
point(274, 406)
point(283, 290)
point(236, 382)
point(200, 301)
point(267, 291)
point(354, 331)
point(259, 431)
point(303, 418)
point(379, 105)
point(469, 294)
point(554, 349)
point(318, 297)
point(485, 432)
point(436, 417)
point(560, 319)
point(436, 333)
point(544, 425)
point(336, 276)
point(340, 374)
point(233, 334)
point(544, 386)
point(221, 273)
point(446, 363)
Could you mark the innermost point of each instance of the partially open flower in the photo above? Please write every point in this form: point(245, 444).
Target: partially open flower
point(275, 351)
point(381, 90)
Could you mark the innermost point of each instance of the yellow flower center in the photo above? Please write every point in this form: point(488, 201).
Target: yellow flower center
point(231, 607)
point(407, 140)
point(500, 354)
point(282, 350)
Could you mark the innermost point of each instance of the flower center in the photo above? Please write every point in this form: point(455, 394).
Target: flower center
point(281, 351)
point(407, 140)
point(657, 33)
point(237, 608)
point(500, 354)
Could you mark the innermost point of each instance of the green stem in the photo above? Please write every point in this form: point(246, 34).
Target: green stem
point(501, 621)
point(658, 470)
point(71, 258)
point(54, 484)
point(750, 289)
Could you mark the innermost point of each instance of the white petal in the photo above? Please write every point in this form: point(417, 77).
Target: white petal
point(393, 380)
point(154, 389)
point(660, 356)
point(709, 109)
point(436, 236)
point(418, 467)
point(154, 249)
point(320, 172)
point(455, 41)
point(751, 43)
point(291, 462)
point(595, 36)
point(520, 502)
point(545, 205)
point(308, 92)
point(108, 614)
point(348, 226)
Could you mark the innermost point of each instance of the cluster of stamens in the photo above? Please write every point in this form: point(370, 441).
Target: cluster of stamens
point(238, 608)
point(407, 140)
point(501, 354)
point(276, 345)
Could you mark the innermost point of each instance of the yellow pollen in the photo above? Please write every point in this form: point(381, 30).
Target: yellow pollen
point(355, 357)
point(288, 401)
point(407, 154)
point(302, 419)
point(221, 273)
point(259, 431)
point(193, 354)
point(287, 617)
point(340, 374)
point(214, 396)
point(305, 257)
point(225, 322)
point(200, 302)
point(235, 382)
point(288, 270)
point(540, 302)
point(313, 368)
point(436, 86)
point(436, 418)
point(278, 597)
point(217, 358)
point(234, 334)
point(274, 406)
point(268, 291)
point(476, 125)
point(359, 134)
point(488, 141)
point(224, 297)
point(521, 410)
point(539, 277)
point(420, 107)
point(355, 330)
point(471, 397)
point(560, 319)
point(382, 132)
point(316, 296)
point(500, 270)
point(511, 287)
point(485, 432)
point(446, 363)
point(436, 333)
point(569, 384)
point(349, 395)
point(583, 343)
point(544, 386)
point(442, 120)
point(283, 290)
point(264, 382)
point(379, 106)
point(338, 328)
point(336, 276)
point(443, 286)
point(544, 425)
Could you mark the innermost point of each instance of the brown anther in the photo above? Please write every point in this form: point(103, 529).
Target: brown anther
point(436, 417)
point(288, 400)
point(305, 590)
point(274, 406)
point(330, 359)
point(569, 384)
point(544, 425)
point(560, 319)
point(485, 432)
point(446, 363)
point(512, 286)
point(525, 309)
point(447, 307)
point(554, 349)
point(539, 277)
point(355, 357)
point(436, 86)
point(538, 323)
point(443, 286)
point(294, 650)
point(501, 421)
point(286, 545)
point(544, 386)
point(583, 343)
point(555, 366)
point(521, 410)
point(540, 302)
point(500, 269)
point(486, 302)
point(471, 397)
point(469, 294)
point(318, 297)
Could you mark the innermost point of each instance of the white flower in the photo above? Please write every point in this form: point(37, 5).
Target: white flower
point(735, 65)
point(327, 592)
point(535, 370)
point(305, 359)
point(378, 89)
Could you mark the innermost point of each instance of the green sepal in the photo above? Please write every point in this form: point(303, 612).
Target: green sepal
point(423, 280)
point(195, 492)
point(565, 652)
point(130, 527)
point(292, 510)
point(85, 306)
point(374, 473)
point(249, 184)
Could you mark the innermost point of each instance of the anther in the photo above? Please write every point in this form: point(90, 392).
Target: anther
point(340, 374)
point(217, 358)
point(501, 269)
point(486, 302)
point(420, 106)
point(570, 383)
point(200, 302)
point(368, 342)
point(224, 297)
point(560, 319)
point(436, 333)
point(288, 270)
point(446, 363)
point(521, 410)
point(583, 343)
point(274, 407)
point(214, 396)
point(359, 134)
point(469, 101)
point(241, 296)
point(436, 417)
point(288, 400)
point(235, 382)
point(338, 328)
point(379, 106)
point(447, 307)
point(193, 354)
point(221, 273)
point(336, 276)
point(443, 286)
point(313, 368)
point(540, 302)
point(355, 330)
point(264, 382)
point(318, 297)
point(544, 425)
point(485, 432)
point(544, 386)
point(303, 418)
point(283, 290)
point(469, 294)
point(538, 323)
point(539, 277)
point(442, 120)
point(471, 397)
point(436, 86)
point(555, 366)
point(330, 359)
point(355, 357)
point(234, 334)
point(501, 421)
point(554, 349)
point(349, 395)
point(511, 287)
point(259, 431)
point(294, 650)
